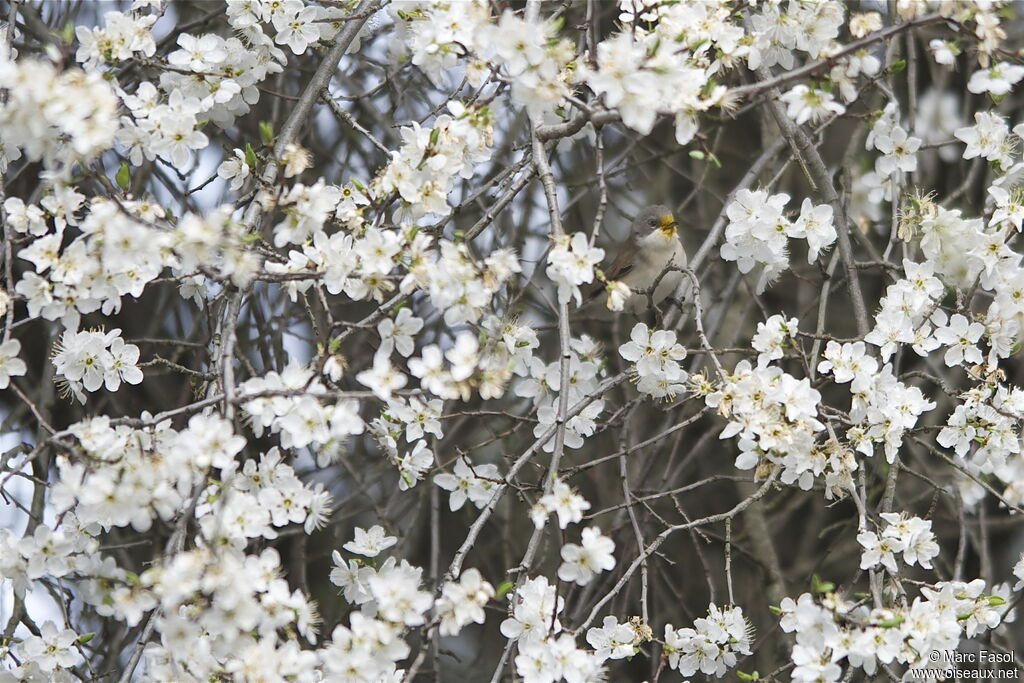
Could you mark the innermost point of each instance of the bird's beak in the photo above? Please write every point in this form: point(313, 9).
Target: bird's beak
point(667, 225)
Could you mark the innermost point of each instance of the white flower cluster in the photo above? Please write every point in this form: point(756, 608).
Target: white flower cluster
point(665, 64)
point(295, 409)
point(462, 287)
point(169, 130)
point(883, 408)
point(305, 209)
point(52, 115)
point(360, 267)
point(911, 536)
point(782, 29)
point(914, 634)
point(984, 433)
point(961, 252)
point(390, 591)
point(412, 419)
point(483, 362)
point(996, 80)
point(209, 78)
point(356, 266)
point(467, 481)
point(564, 501)
point(48, 656)
point(903, 312)
point(805, 104)
point(462, 602)
point(222, 599)
point(10, 364)
point(135, 475)
point(436, 36)
point(89, 360)
point(899, 149)
point(612, 640)
point(557, 659)
point(543, 382)
point(534, 58)
point(367, 649)
point(772, 336)
point(529, 54)
point(54, 552)
point(989, 138)
point(776, 418)
point(758, 230)
point(571, 263)
point(120, 38)
point(711, 645)
point(68, 551)
point(581, 563)
point(655, 356)
point(390, 601)
point(424, 170)
point(296, 24)
point(120, 248)
point(116, 254)
point(249, 503)
point(544, 656)
point(863, 62)
point(418, 458)
point(210, 246)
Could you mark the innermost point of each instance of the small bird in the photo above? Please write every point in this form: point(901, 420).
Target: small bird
point(652, 246)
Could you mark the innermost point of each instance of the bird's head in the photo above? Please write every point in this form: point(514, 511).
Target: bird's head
point(657, 217)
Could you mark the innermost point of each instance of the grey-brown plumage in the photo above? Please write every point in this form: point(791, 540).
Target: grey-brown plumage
point(652, 246)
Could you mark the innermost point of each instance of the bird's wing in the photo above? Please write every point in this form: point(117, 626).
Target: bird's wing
point(623, 264)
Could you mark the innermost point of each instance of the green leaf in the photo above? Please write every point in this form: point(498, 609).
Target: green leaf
point(995, 600)
point(899, 65)
point(250, 156)
point(697, 154)
point(503, 588)
point(819, 586)
point(266, 132)
point(435, 135)
point(891, 623)
point(85, 638)
point(774, 610)
point(754, 676)
point(124, 176)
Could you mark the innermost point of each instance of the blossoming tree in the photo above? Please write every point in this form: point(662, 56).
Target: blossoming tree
point(299, 383)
